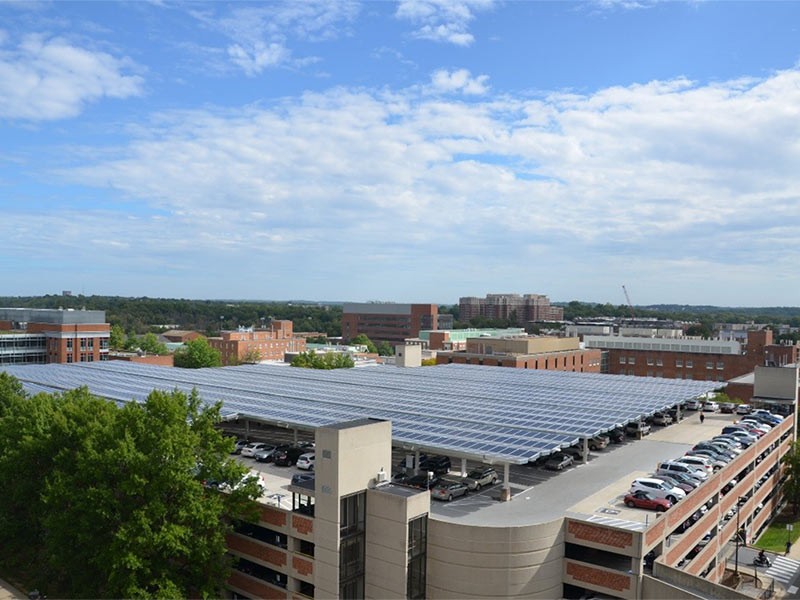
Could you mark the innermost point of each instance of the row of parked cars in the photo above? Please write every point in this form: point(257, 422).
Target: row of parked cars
point(674, 479)
point(283, 455)
point(432, 468)
point(723, 407)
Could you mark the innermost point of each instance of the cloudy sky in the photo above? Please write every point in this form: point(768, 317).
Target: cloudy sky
point(410, 151)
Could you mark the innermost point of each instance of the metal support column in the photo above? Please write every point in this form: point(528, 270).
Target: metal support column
point(585, 450)
point(463, 467)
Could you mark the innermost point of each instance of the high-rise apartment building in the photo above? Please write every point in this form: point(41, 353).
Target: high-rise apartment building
point(42, 335)
point(520, 309)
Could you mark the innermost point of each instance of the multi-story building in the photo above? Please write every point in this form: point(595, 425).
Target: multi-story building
point(526, 352)
point(350, 533)
point(686, 358)
point(40, 335)
point(388, 322)
point(271, 343)
point(456, 339)
point(521, 309)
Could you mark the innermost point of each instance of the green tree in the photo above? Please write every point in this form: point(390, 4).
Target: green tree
point(117, 337)
point(252, 356)
point(791, 488)
point(329, 360)
point(198, 354)
point(150, 344)
point(363, 340)
point(111, 502)
point(385, 349)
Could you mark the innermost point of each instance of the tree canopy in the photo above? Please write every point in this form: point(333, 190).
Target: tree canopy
point(110, 502)
point(362, 340)
point(329, 360)
point(791, 488)
point(197, 354)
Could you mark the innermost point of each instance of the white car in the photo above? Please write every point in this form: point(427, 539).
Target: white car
point(670, 466)
point(306, 461)
point(766, 413)
point(756, 425)
point(748, 438)
point(693, 405)
point(250, 450)
point(658, 488)
point(698, 461)
point(743, 409)
point(710, 406)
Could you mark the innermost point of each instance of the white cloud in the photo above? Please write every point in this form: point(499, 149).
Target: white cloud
point(459, 81)
point(49, 78)
point(261, 35)
point(443, 20)
point(684, 177)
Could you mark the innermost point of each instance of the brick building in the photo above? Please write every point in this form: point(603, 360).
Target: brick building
point(388, 322)
point(271, 343)
point(710, 360)
point(526, 352)
point(41, 335)
point(521, 309)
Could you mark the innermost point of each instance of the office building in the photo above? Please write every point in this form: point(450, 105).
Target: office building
point(526, 352)
point(41, 335)
point(687, 358)
point(389, 322)
point(257, 345)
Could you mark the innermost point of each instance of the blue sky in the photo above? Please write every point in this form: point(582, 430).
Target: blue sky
point(409, 151)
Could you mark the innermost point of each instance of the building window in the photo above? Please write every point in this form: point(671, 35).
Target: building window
point(69, 358)
point(650, 361)
point(709, 364)
point(352, 545)
point(659, 362)
point(417, 557)
point(689, 364)
point(679, 363)
point(720, 365)
point(622, 360)
point(631, 360)
point(69, 345)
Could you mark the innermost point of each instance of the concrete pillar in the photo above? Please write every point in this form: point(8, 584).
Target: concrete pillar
point(247, 429)
point(585, 450)
point(505, 493)
point(294, 433)
point(463, 467)
point(416, 462)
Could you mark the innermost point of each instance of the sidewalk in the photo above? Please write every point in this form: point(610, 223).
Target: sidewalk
point(8, 592)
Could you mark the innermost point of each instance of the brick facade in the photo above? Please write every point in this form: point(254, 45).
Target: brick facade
point(271, 343)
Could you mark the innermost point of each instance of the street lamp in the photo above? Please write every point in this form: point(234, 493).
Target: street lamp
point(741, 500)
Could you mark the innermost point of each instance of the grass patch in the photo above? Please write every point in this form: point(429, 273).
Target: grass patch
point(775, 535)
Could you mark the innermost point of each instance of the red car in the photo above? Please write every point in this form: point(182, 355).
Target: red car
point(645, 500)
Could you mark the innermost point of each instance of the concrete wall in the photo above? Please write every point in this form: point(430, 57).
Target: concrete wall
point(776, 382)
point(467, 561)
point(683, 585)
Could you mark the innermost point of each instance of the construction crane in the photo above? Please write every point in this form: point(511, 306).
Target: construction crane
point(630, 305)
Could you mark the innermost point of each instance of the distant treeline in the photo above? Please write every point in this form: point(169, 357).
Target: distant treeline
point(140, 315)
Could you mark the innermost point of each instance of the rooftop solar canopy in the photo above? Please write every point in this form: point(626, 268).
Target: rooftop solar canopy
point(491, 414)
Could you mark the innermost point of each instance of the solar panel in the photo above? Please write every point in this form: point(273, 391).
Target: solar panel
point(490, 414)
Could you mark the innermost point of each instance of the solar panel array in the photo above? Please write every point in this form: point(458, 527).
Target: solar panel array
point(491, 414)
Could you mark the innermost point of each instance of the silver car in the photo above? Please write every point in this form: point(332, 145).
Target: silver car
point(477, 478)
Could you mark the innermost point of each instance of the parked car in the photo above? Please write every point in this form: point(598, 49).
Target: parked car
point(712, 454)
point(658, 488)
point(423, 481)
point(698, 461)
point(642, 499)
point(686, 478)
point(298, 478)
point(598, 442)
point(477, 478)
point(727, 408)
point(686, 487)
point(250, 450)
point(756, 423)
point(267, 453)
point(745, 438)
point(743, 409)
point(238, 445)
point(693, 405)
point(716, 461)
point(402, 464)
point(447, 490)
point(662, 419)
point(669, 467)
point(637, 428)
point(726, 439)
point(772, 417)
point(306, 461)
point(575, 452)
point(617, 435)
point(289, 456)
point(558, 461)
point(710, 406)
point(436, 464)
